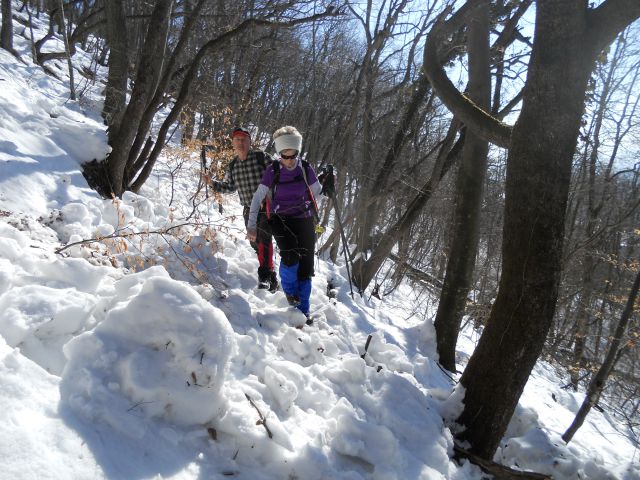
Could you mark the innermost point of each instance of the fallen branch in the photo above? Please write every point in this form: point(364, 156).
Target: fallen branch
point(131, 234)
point(499, 472)
point(418, 275)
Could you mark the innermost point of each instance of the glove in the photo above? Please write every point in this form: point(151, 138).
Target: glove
point(328, 181)
point(207, 179)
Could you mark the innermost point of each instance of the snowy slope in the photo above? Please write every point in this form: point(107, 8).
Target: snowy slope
point(155, 357)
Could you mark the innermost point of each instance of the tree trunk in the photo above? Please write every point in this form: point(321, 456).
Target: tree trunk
point(122, 134)
point(598, 382)
point(6, 31)
point(116, 90)
point(466, 221)
point(583, 314)
point(205, 129)
point(137, 154)
point(538, 176)
point(72, 87)
point(188, 122)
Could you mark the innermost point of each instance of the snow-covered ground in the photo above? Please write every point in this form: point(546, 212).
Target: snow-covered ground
point(155, 356)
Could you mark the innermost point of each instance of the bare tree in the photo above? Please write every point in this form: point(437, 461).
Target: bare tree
point(597, 384)
point(87, 19)
point(366, 268)
point(569, 36)
point(122, 135)
point(612, 79)
point(129, 164)
point(466, 218)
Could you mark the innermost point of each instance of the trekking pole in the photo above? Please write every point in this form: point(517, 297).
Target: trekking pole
point(347, 254)
point(203, 160)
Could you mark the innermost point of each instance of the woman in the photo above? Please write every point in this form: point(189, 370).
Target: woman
point(290, 187)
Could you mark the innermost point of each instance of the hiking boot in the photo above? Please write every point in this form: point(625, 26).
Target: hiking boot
point(293, 300)
point(273, 282)
point(264, 282)
point(309, 322)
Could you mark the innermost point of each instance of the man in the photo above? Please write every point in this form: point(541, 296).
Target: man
point(243, 174)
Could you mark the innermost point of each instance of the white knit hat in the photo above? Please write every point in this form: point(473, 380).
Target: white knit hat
point(289, 141)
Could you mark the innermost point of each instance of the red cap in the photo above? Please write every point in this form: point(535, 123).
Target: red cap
point(240, 132)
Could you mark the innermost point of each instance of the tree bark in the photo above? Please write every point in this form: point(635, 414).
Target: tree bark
point(466, 219)
point(116, 90)
point(72, 87)
point(6, 31)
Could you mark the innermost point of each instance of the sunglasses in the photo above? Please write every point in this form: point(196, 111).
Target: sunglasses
point(288, 157)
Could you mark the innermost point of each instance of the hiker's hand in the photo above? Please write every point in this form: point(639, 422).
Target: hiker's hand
point(329, 186)
point(252, 234)
point(214, 184)
point(328, 181)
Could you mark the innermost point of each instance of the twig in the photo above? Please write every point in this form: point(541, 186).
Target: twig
point(447, 373)
point(131, 234)
point(137, 405)
point(262, 421)
point(366, 346)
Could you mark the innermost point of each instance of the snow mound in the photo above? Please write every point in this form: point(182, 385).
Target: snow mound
point(161, 352)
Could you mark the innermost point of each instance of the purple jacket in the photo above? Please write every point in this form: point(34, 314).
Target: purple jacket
point(291, 197)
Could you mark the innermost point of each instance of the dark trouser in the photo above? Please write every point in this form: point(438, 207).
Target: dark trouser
point(263, 245)
point(296, 239)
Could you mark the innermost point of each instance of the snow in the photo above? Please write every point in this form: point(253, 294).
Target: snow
point(155, 357)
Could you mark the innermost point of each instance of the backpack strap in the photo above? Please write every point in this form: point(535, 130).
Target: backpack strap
point(261, 158)
point(305, 166)
point(276, 177)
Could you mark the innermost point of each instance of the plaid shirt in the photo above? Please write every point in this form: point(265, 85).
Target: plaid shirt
point(243, 176)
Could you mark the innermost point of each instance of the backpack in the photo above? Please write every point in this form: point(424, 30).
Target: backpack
point(260, 156)
point(276, 180)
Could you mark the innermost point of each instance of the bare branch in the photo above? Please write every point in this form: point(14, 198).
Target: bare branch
point(609, 19)
point(130, 234)
point(476, 119)
point(263, 420)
